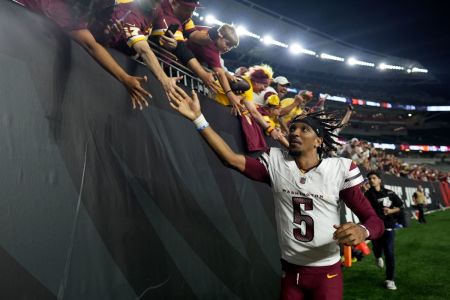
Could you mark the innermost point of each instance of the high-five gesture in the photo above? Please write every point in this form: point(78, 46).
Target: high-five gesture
point(137, 92)
point(189, 107)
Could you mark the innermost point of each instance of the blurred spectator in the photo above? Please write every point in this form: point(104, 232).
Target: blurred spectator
point(347, 116)
point(386, 204)
point(278, 85)
point(241, 71)
point(59, 12)
point(130, 37)
point(271, 109)
point(179, 13)
point(292, 107)
point(271, 113)
point(419, 200)
point(320, 105)
point(221, 40)
point(258, 78)
point(281, 85)
point(372, 159)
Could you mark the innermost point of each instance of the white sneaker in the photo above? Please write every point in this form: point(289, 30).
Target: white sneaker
point(380, 262)
point(390, 285)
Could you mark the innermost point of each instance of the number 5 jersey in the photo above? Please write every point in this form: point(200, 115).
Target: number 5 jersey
point(307, 205)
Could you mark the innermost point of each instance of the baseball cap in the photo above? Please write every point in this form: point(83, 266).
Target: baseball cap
point(190, 3)
point(271, 99)
point(281, 80)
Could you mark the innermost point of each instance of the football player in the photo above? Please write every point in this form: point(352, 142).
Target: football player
point(307, 191)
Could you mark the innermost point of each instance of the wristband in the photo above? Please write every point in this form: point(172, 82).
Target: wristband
point(269, 129)
point(228, 92)
point(367, 230)
point(201, 123)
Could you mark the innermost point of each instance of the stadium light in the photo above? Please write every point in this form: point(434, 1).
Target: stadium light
point(331, 57)
point(365, 63)
point(268, 40)
point(241, 31)
point(297, 49)
point(438, 108)
point(309, 52)
point(210, 19)
point(384, 66)
point(418, 70)
point(353, 61)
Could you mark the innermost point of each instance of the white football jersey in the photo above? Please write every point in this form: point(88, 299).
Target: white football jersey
point(307, 205)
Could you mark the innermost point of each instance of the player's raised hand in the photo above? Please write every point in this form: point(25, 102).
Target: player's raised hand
point(137, 92)
point(187, 106)
point(349, 234)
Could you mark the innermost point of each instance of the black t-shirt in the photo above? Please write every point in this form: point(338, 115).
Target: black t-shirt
point(384, 198)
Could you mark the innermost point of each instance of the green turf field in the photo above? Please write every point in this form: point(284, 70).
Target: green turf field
point(422, 254)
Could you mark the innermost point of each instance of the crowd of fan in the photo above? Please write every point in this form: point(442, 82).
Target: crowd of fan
point(254, 96)
point(372, 159)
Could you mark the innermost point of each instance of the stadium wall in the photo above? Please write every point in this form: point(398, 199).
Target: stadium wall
point(102, 202)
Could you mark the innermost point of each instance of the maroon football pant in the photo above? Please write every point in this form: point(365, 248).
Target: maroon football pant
point(318, 283)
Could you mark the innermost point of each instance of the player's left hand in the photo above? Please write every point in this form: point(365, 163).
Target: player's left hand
point(349, 234)
point(187, 106)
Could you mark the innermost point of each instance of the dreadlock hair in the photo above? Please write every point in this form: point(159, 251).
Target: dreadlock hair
point(324, 125)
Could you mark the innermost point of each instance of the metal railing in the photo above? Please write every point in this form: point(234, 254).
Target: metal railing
point(173, 68)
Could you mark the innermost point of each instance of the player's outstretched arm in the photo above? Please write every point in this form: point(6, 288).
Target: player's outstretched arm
point(99, 53)
point(189, 107)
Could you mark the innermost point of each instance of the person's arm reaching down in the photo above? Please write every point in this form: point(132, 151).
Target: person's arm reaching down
point(102, 56)
point(207, 77)
point(275, 133)
point(143, 49)
point(223, 80)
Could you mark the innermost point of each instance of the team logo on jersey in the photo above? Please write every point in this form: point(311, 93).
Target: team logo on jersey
point(302, 180)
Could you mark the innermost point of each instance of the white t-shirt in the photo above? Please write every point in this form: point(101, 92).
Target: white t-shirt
point(259, 98)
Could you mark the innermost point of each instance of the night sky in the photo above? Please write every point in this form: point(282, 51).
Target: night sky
point(417, 30)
